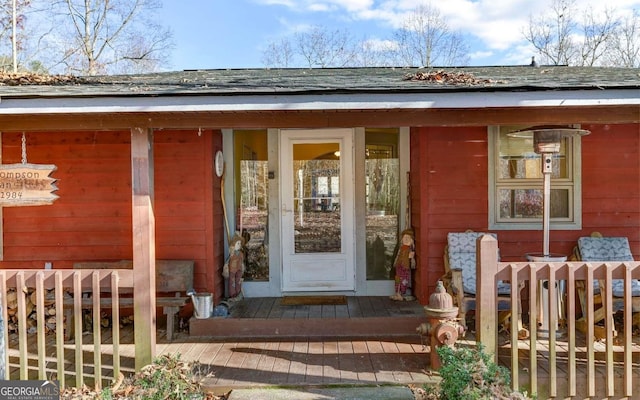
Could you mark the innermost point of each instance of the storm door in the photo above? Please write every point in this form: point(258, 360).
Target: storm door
point(317, 210)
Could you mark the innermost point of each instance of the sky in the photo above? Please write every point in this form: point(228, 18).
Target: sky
point(212, 34)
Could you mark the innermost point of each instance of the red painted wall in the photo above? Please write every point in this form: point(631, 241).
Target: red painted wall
point(449, 180)
point(449, 171)
point(611, 182)
point(449, 175)
point(91, 221)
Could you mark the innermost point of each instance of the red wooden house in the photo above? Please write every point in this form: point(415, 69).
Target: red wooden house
point(322, 167)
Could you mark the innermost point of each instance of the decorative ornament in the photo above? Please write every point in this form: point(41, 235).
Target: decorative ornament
point(219, 163)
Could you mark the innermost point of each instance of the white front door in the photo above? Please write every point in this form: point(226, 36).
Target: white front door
point(316, 168)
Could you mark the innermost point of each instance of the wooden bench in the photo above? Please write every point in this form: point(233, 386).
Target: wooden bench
point(173, 279)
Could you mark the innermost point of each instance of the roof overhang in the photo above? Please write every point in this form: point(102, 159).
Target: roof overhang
point(319, 110)
point(318, 102)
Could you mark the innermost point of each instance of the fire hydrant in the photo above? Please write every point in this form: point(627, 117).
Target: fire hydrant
point(443, 328)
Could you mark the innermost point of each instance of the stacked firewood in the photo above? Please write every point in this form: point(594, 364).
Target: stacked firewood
point(50, 313)
point(30, 304)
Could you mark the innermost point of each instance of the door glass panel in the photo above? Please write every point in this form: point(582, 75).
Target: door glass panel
point(316, 198)
point(382, 177)
point(252, 202)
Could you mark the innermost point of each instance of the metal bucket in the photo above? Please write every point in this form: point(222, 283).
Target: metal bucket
point(202, 305)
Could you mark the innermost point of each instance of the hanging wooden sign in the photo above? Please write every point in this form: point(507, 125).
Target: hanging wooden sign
point(27, 185)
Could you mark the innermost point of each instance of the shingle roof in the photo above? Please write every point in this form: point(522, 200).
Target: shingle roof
point(224, 82)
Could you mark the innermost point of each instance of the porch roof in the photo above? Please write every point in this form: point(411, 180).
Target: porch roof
point(227, 82)
point(201, 94)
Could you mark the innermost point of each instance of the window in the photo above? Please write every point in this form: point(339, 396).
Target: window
point(252, 200)
point(382, 180)
point(516, 183)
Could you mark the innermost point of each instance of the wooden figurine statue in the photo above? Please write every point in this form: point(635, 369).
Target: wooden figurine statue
point(403, 264)
point(234, 267)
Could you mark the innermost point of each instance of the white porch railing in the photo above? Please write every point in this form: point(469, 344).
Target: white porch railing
point(60, 287)
point(575, 275)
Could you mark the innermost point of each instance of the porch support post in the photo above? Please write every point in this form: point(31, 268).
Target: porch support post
point(144, 246)
point(486, 296)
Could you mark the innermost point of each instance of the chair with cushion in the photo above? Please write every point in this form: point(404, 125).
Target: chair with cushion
point(460, 275)
point(596, 248)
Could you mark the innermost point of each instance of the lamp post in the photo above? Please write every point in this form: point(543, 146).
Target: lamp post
point(546, 142)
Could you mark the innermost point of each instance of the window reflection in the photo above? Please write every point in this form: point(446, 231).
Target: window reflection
point(382, 178)
point(316, 192)
point(518, 180)
point(252, 202)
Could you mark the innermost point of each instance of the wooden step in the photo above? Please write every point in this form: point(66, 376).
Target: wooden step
point(262, 328)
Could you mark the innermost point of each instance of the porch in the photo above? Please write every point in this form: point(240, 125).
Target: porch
point(350, 357)
point(372, 340)
point(366, 340)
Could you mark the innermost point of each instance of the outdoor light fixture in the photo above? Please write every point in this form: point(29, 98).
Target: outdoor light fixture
point(546, 142)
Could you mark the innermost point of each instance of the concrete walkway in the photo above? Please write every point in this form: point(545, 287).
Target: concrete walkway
point(324, 393)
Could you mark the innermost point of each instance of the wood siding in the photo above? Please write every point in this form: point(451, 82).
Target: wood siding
point(449, 179)
point(611, 182)
point(91, 221)
point(449, 172)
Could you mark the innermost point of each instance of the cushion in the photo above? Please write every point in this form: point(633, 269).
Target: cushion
point(462, 256)
point(608, 249)
point(604, 249)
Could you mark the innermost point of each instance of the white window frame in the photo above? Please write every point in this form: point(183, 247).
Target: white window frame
point(573, 182)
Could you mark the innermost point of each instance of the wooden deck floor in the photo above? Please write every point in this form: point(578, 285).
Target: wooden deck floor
point(249, 361)
point(355, 307)
point(369, 340)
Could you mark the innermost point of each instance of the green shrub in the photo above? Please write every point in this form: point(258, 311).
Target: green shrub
point(167, 378)
point(471, 374)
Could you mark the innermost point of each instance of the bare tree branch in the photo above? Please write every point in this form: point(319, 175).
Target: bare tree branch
point(106, 36)
point(562, 39)
point(425, 39)
point(625, 47)
point(375, 53)
point(278, 54)
point(551, 34)
point(7, 32)
point(598, 32)
point(324, 48)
